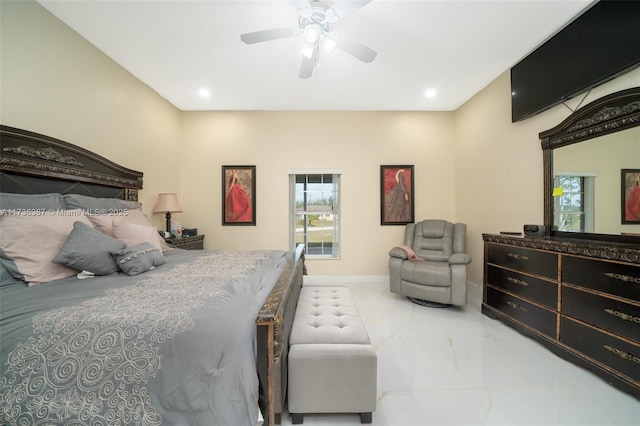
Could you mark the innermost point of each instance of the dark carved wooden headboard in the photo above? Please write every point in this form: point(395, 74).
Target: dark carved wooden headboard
point(31, 163)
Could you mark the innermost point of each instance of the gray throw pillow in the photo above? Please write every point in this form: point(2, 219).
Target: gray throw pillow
point(87, 249)
point(137, 259)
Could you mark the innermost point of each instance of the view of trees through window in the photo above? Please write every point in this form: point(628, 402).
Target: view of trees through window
point(569, 207)
point(317, 213)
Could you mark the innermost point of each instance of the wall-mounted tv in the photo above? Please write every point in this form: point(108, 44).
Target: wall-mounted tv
point(597, 46)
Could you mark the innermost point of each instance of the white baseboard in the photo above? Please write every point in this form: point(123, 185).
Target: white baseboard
point(472, 288)
point(333, 279)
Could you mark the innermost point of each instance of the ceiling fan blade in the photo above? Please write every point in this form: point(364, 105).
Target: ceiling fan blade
point(266, 35)
point(356, 49)
point(343, 8)
point(306, 68)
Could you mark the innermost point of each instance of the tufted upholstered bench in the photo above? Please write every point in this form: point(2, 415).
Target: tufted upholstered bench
point(332, 365)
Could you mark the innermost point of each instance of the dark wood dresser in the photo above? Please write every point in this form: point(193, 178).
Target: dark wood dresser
point(194, 242)
point(580, 299)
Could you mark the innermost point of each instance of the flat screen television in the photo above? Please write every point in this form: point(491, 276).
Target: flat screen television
point(597, 46)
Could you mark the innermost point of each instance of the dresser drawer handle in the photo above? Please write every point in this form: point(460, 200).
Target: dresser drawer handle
point(517, 281)
point(624, 278)
point(622, 354)
point(516, 306)
point(623, 316)
point(518, 256)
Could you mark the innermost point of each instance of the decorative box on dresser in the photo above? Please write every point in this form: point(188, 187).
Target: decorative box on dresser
point(579, 298)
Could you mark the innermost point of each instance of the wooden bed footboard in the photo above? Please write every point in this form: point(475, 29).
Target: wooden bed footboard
point(274, 324)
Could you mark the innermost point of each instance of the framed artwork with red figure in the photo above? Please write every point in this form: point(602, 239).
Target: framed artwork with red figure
point(396, 195)
point(630, 196)
point(238, 195)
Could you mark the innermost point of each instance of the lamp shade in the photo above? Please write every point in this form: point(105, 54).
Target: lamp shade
point(167, 202)
point(557, 191)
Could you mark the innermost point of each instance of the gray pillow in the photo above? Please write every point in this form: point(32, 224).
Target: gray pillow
point(137, 259)
point(87, 249)
point(98, 205)
point(31, 201)
point(6, 277)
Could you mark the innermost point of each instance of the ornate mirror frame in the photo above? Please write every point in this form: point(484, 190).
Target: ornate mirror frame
point(612, 113)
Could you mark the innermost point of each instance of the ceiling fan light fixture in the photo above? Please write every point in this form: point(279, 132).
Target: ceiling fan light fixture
point(312, 33)
point(307, 50)
point(330, 42)
point(329, 45)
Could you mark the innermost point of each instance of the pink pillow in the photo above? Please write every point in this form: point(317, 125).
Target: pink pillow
point(132, 234)
point(106, 223)
point(33, 241)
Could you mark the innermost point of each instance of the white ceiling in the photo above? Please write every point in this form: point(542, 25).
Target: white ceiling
point(453, 47)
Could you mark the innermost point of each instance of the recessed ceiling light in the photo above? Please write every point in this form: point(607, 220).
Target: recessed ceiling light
point(204, 93)
point(430, 93)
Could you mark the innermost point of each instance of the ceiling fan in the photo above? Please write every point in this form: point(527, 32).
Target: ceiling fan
point(315, 25)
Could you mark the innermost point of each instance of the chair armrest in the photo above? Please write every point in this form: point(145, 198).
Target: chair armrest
point(459, 259)
point(399, 253)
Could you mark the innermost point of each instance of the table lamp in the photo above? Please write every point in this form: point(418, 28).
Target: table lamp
point(167, 203)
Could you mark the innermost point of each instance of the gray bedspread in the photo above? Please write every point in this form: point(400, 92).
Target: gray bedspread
point(172, 346)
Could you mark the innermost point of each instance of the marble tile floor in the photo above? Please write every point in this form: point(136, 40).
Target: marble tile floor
point(458, 367)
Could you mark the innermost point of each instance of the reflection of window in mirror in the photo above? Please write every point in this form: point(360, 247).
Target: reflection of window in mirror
point(574, 208)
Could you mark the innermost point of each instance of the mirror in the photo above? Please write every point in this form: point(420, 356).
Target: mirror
point(585, 155)
point(590, 175)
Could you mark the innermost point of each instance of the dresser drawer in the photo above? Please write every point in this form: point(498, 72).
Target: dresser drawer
point(612, 315)
point(534, 316)
point(526, 260)
point(618, 354)
point(614, 278)
point(541, 291)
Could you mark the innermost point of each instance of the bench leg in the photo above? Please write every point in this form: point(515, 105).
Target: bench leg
point(366, 417)
point(297, 418)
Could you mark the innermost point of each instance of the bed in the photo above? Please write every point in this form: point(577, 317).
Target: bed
point(120, 328)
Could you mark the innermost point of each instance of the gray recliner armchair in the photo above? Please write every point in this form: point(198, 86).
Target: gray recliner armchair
point(431, 267)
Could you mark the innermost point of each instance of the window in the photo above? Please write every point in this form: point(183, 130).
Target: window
point(315, 212)
point(573, 210)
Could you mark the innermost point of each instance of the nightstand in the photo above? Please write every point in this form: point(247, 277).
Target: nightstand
point(195, 242)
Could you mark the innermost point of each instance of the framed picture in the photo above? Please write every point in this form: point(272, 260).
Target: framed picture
point(238, 195)
point(396, 195)
point(630, 186)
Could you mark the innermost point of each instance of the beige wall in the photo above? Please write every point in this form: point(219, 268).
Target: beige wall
point(355, 142)
point(472, 165)
point(54, 82)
